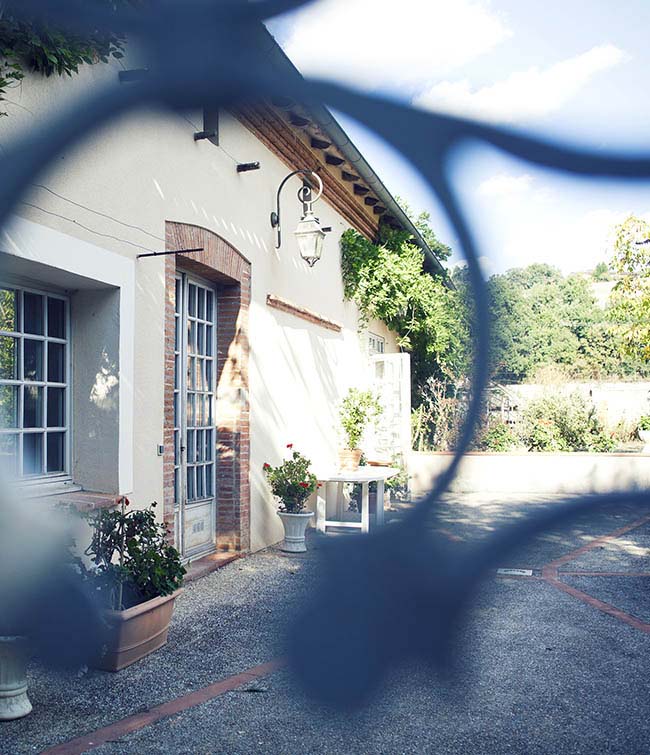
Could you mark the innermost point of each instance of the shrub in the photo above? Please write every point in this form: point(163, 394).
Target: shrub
point(556, 422)
point(132, 560)
point(357, 409)
point(644, 422)
point(499, 437)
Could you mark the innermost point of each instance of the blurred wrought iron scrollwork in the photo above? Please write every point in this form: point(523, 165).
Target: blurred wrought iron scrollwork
point(406, 581)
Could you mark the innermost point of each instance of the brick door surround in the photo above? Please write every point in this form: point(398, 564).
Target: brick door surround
point(230, 272)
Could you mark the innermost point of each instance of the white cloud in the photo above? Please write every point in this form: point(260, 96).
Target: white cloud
point(572, 243)
point(378, 42)
point(524, 95)
point(505, 185)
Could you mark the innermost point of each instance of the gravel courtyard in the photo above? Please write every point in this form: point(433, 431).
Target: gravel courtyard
point(549, 670)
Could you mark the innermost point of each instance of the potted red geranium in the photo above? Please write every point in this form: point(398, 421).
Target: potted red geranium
point(292, 483)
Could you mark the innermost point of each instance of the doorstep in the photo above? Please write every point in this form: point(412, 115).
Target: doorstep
point(208, 564)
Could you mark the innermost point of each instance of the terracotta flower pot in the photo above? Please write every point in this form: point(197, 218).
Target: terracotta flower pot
point(294, 531)
point(135, 632)
point(349, 459)
point(14, 702)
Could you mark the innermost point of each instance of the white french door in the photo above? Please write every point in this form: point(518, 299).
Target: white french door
point(194, 421)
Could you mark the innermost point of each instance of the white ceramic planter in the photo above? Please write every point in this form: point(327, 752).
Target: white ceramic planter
point(294, 531)
point(14, 654)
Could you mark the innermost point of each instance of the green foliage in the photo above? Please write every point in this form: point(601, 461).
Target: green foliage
point(291, 482)
point(388, 282)
point(631, 296)
point(33, 41)
point(357, 410)
point(132, 560)
point(644, 422)
point(601, 272)
point(540, 317)
point(499, 437)
point(557, 422)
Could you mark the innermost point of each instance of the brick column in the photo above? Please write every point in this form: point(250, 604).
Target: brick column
point(222, 264)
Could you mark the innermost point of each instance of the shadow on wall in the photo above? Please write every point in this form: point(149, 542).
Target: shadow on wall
point(95, 380)
point(297, 379)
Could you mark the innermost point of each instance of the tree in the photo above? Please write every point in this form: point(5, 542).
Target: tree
point(540, 317)
point(630, 298)
point(388, 282)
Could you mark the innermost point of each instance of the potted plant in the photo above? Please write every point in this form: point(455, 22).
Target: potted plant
point(292, 483)
point(357, 410)
point(138, 576)
point(644, 429)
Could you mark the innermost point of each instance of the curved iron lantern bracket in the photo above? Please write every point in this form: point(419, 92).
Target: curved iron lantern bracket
point(304, 195)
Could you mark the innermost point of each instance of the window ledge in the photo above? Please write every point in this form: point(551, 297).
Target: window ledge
point(67, 494)
point(84, 501)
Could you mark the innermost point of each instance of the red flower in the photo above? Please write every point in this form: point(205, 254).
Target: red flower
point(266, 465)
point(289, 445)
point(304, 484)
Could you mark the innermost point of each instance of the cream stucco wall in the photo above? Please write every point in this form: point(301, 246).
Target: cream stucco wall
point(116, 191)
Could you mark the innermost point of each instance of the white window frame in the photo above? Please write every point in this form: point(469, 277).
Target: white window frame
point(15, 284)
point(374, 342)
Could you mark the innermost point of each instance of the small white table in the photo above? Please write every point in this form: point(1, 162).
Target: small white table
point(364, 476)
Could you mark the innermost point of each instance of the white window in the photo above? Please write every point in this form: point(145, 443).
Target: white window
point(376, 344)
point(34, 383)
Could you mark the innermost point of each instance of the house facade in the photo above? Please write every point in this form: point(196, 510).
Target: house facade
point(173, 377)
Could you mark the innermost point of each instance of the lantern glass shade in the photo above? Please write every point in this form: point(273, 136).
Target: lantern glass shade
point(309, 236)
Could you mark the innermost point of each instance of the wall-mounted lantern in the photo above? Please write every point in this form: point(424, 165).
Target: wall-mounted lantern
point(309, 233)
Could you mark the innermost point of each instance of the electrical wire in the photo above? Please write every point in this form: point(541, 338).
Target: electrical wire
point(97, 212)
point(90, 230)
point(221, 147)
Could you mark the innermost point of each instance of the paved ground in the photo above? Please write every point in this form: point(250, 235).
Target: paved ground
point(555, 666)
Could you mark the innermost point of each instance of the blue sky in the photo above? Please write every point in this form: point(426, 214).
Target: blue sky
point(576, 70)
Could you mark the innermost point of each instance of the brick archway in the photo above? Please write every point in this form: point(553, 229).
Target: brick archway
point(230, 272)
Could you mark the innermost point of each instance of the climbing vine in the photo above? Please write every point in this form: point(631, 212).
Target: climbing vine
point(29, 41)
point(388, 282)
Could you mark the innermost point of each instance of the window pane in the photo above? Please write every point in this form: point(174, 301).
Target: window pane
point(190, 446)
point(33, 406)
point(8, 311)
point(9, 454)
point(33, 453)
point(191, 304)
point(199, 445)
point(8, 406)
point(56, 362)
point(33, 313)
point(177, 327)
point(191, 337)
point(8, 358)
point(208, 340)
point(208, 306)
point(199, 482)
point(201, 304)
point(55, 407)
point(201, 339)
point(55, 452)
point(190, 483)
point(208, 481)
point(178, 295)
point(33, 359)
point(55, 318)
